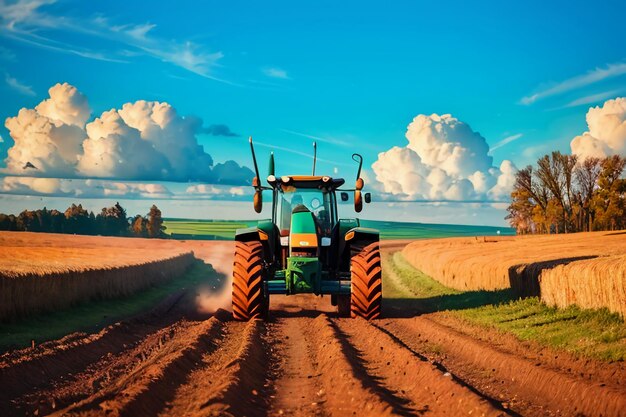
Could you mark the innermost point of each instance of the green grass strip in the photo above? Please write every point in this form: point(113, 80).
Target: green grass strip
point(94, 315)
point(598, 334)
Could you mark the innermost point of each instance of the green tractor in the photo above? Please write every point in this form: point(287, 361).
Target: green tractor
point(306, 248)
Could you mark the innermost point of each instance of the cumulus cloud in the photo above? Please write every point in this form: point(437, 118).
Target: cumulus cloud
point(144, 140)
point(21, 185)
point(607, 131)
point(217, 191)
point(443, 160)
point(81, 188)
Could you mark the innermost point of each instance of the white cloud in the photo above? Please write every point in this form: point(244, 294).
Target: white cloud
point(505, 181)
point(593, 98)
point(215, 191)
point(81, 188)
point(607, 131)
point(443, 160)
point(66, 105)
point(276, 73)
point(20, 185)
point(141, 141)
point(505, 141)
point(18, 86)
point(594, 76)
point(47, 139)
point(24, 20)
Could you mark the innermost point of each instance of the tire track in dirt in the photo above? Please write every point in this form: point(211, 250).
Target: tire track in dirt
point(144, 388)
point(345, 390)
point(529, 388)
point(297, 386)
point(59, 372)
point(527, 384)
point(231, 380)
point(398, 371)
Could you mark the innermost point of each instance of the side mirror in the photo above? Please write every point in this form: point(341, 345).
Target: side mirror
point(258, 201)
point(344, 196)
point(358, 201)
point(358, 198)
point(368, 198)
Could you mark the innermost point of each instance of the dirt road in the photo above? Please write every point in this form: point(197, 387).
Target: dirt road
point(304, 361)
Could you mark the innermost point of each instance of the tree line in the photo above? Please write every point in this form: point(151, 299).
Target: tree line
point(111, 221)
point(562, 194)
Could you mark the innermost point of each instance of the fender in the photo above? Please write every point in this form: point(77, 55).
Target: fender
point(362, 235)
point(265, 232)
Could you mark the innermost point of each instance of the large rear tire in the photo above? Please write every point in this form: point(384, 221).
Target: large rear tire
point(249, 298)
point(367, 285)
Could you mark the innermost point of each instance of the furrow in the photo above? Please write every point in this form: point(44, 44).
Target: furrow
point(62, 372)
point(417, 386)
point(145, 388)
point(297, 385)
point(525, 386)
point(229, 381)
point(346, 388)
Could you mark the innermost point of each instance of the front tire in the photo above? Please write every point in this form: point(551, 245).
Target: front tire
point(367, 285)
point(249, 298)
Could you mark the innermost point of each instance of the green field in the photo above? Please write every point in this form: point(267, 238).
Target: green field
point(225, 230)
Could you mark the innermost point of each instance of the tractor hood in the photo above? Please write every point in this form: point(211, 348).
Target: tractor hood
point(303, 233)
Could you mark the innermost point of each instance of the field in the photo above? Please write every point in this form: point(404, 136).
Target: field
point(586, 269)
point(210, 229)
point(437, 351)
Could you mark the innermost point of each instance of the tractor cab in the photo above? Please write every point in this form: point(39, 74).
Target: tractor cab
point(300, 194)
point(306, 248)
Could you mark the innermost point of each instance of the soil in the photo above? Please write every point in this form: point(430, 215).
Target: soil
point(303, 361)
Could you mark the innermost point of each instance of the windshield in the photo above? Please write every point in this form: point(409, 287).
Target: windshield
point(316, 201)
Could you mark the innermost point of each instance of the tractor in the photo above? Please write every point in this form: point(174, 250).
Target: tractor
point(306, 248)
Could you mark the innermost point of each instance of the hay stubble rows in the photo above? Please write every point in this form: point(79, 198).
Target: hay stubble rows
point(303, 361)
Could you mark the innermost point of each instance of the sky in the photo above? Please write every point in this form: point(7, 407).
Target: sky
point(444, 102)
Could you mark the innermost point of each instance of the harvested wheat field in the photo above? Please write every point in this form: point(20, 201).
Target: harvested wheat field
point(180, 358)
point(45, 272)
point(586, 269)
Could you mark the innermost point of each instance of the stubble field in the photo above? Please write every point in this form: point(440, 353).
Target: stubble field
point(185, 356)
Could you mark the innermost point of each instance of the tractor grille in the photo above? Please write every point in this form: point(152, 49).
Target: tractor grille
point(304, 252)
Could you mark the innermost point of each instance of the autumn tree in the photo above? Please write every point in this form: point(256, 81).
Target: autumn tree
point(608, 202)
point(139, 226)
point(555, 173)
point(155, 226)
point(563, 194)
point(587, 174)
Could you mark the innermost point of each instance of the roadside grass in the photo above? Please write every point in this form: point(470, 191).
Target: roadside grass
point(94, 315)
point(433, 295)
point(598, 334)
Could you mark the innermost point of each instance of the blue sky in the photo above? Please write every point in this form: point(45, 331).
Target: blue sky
point(351, 74)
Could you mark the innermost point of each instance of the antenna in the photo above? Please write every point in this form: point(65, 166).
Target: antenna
point(271, 170)
point(314, 155)
point(256, 168)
